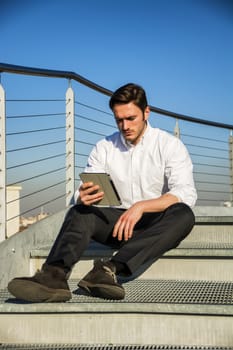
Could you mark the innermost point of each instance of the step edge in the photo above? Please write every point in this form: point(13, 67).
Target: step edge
point(119, 308)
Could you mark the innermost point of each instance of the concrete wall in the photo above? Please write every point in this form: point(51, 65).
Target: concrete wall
point(13, 209)
point(15, 251)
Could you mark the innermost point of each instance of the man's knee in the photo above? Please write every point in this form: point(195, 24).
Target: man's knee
point(183, 211)
point(182, 217)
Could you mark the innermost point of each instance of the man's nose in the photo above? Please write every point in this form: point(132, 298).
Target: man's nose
point(125, 124)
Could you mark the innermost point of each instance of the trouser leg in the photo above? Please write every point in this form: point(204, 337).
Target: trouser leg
point(80, 225)
point(155, 234)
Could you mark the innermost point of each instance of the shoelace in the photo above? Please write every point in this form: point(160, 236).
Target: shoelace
point(110, 272)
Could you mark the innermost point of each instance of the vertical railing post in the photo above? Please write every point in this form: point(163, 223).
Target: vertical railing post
point(231, 164)
point(177, 129)
point(2, 165)
point(70, 156)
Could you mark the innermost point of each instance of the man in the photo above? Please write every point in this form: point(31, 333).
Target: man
point(152, 172)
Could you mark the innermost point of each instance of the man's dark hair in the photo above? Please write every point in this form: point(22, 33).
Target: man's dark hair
point(129, 93)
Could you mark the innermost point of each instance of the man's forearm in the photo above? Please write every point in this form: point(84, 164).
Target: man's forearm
point(159, 204)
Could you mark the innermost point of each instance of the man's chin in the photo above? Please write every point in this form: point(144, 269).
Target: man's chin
point(129, 139)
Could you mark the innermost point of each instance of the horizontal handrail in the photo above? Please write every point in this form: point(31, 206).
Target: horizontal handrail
point(191, 119)
point(10, 68)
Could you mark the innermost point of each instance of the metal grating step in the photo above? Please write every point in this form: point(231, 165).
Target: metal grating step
point(107, 347)
point(156, 291)
point(186, 248)
point(168, 291)
point(205, 245)
point(162, 291)
point(142, 296)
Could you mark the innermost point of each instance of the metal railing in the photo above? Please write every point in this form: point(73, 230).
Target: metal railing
point(45, 142)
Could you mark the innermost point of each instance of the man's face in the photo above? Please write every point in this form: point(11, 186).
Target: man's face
point(131, 121)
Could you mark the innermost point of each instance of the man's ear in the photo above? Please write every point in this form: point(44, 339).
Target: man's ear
point(146, 113)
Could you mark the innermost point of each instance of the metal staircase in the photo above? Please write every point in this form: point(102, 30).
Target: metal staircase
point(182, 301)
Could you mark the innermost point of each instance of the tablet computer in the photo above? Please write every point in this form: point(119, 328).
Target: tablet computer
point(111, 196)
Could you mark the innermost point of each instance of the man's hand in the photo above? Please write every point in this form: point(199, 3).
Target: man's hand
point(123, 228)
point(88, 193)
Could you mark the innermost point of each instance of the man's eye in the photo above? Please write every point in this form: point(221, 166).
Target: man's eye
point(118, 121)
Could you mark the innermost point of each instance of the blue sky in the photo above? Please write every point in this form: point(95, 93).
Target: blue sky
point(180, 51)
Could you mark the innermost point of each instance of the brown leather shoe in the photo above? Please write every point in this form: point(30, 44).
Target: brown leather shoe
point(101, 281)
point(48, 285)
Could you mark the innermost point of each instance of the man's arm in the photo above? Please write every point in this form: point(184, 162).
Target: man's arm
point(124, 226)
point(179, 173)
point(158, 204)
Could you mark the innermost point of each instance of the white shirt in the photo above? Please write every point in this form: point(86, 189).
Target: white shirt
point(158, 164)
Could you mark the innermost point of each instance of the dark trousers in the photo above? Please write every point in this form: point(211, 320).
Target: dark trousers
point(153, 235)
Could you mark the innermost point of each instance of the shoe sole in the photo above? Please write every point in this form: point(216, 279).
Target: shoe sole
point(37, 293)
point(105, 291)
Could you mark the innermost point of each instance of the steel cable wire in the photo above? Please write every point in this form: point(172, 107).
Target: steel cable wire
point(81, 154)
point(211, 174)
point(212, 183)
point(212, 200)
point(208, 156)
point(39, 206)
point(211, 191)
point(91, 132)
point(35, 100)
point(35, 146)
point(93, 108)
point(32, 131)
point(36, 192)
point(37, 176)
point(206, 147)
point(204, 138)
point(212, 165)
point(35, 115)
point(85, 143)
point(36, 161)
point(95, 121)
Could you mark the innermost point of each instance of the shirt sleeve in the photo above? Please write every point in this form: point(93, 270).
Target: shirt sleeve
point(179, 173)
